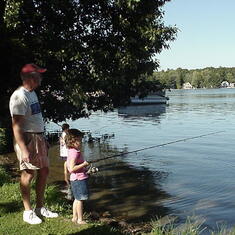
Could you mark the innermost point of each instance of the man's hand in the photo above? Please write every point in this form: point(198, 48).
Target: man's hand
point(17, 123)
point(25, 155)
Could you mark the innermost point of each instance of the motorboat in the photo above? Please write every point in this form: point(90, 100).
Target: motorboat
point(139, 110)
point(153, 98)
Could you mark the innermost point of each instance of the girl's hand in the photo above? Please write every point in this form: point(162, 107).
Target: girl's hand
point(85, 163)
point(67, 181)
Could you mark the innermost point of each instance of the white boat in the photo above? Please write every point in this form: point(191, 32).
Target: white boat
point(153, 98)
point(150, 110)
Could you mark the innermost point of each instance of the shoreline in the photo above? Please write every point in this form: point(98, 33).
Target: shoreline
point(96, 218)
point(94, 215)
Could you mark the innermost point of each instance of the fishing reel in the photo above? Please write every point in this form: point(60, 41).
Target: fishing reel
point(92, 170)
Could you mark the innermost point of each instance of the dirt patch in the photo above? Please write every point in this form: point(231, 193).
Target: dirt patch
point(9, 162)
point(122, 225)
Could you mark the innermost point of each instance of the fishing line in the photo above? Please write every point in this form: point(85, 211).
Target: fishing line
point(155, 146)
point(95, 131)
point(98, 130)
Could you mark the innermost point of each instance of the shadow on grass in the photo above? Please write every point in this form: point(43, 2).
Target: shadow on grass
point(99, 230)
point(9, 207)
point(128, 193)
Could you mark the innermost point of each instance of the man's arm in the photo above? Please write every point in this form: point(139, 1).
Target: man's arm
point(19, 138)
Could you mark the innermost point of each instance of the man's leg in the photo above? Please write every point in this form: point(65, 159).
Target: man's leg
point(40, 186)
point(28, 216)
point(25, 180)
point(40, 189)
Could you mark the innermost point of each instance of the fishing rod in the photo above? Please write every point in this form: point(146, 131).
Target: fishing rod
point(95, 131)
point(155, 146)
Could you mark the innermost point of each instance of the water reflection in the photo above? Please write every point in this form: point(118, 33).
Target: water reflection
point(126, 192)
point(202, 103)
point(195, 177)
point(191, 177)
point(152, 110)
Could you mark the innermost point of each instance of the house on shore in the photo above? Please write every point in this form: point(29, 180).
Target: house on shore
point(226, 84)
point(187, 85)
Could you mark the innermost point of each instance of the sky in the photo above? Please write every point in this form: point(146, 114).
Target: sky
point(206, 36)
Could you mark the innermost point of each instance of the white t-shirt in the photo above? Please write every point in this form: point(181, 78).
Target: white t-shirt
point(63, 148)
point(24, 102)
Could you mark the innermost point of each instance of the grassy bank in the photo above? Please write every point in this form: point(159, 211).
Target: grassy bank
point(11, 217)
point(11, 213)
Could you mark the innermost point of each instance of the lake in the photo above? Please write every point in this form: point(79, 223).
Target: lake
point(193, 177)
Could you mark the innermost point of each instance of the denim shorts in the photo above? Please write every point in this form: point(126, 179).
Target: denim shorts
point(80, 189)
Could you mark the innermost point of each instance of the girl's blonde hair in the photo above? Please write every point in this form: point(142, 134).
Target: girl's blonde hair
point(72, 136)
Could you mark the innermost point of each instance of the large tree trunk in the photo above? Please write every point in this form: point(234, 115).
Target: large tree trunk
point(2, 10)
point(5, 119)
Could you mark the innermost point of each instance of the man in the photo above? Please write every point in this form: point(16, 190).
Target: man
point(30, 145)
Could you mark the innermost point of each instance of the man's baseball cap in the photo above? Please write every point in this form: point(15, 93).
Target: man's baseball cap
point(30, 68)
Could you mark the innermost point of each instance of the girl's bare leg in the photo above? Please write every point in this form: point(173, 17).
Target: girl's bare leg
point(80, 212)
point(75, 216)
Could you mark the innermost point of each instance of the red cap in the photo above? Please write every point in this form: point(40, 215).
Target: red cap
point(29, 68)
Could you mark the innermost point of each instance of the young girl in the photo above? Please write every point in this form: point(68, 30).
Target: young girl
point(78, 176)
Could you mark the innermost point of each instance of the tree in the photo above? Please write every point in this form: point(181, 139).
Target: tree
point(199, 78)
point(196, 78)
point(229, 77)
point(98, 53)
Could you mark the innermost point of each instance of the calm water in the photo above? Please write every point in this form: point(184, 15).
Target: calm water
point(194, 177)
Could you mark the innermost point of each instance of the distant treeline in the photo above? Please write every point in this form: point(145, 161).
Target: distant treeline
point(199, 78)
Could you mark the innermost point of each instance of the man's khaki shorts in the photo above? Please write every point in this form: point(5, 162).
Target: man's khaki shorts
point(38, 148)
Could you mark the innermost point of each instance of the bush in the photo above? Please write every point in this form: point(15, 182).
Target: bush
point(4, 176)
point(6, 144)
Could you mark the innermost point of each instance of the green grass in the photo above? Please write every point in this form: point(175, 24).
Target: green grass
point(4, 177)
point(193, 226)
point(168, 226)
point(12, 223)
point(11, 212)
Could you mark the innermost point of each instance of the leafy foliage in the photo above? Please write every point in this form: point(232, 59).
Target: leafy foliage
point(4, 176)
point(98, 53)
point(199, 78)
point(6, 143)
